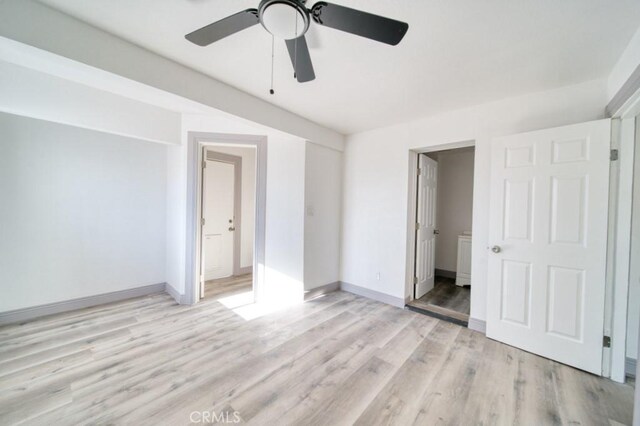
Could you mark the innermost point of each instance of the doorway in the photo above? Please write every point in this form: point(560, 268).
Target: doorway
point(228, 216)
point(444, 210)
point(198, 144)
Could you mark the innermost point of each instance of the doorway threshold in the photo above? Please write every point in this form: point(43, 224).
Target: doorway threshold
point(439, 312)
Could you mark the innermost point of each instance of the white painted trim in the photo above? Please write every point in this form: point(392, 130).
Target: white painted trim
point(611, 246)
point(372, 294)
point(621, 261)
point(478, 325)
point(321, 290)
point(410, 257)
point(26, 314)
point(628, 94)
point(412, 217)
point(624, 106)
point(195, 149)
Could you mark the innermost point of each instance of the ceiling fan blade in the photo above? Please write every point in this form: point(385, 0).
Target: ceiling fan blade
point(301, 59)
point(314, 41)
point(360, 23)
point(224, 27)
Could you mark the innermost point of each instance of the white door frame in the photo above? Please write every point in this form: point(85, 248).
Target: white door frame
point(411, 210)
point(197, 141)
point(211, 154)
point(620, 210)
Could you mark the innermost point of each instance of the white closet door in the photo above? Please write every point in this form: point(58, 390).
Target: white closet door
point(219, 180)
point(549, 197)
point(426, 238)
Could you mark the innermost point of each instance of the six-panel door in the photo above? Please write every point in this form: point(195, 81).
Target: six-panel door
point(548, 232)
point(218, 211)
point(426, 238)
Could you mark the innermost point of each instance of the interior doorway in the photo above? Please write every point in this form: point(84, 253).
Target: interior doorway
point(198, 143)
point(444, 210)
point(228, 217)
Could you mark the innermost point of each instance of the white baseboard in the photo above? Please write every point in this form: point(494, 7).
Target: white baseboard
point(630, 367)
point(320, 290)
point(26, 314)
point(372, 294)
point(478, 325)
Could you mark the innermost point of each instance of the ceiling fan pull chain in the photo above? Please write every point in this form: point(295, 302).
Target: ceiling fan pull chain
point(272, 60)
point(295, 51)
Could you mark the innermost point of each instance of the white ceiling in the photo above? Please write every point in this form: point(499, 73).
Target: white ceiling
point(456, 53)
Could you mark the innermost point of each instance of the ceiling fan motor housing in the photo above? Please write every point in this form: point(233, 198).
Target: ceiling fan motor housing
point(285, 19)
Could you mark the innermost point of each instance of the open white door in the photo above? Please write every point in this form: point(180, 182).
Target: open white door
point(218, 213)
point(426, 225)
point(548, 237)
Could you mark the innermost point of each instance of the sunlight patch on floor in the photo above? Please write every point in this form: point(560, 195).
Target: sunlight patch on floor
point(243, 305)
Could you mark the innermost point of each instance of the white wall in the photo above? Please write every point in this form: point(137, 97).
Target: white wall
point(626, 65)
point(66, 47)
point(376, 180)
point(35, 94)
point(284, 248)
point(454, 204)
point(323, 208)
point(634, 273)
point(82, 212)
point(248, 201)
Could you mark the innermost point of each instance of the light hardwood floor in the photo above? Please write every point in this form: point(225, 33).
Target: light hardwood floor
point(339, 359)
point(228, 286)
point(446, 300)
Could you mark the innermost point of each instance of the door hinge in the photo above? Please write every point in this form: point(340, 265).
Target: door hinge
point(415, 280)
point(606, 341)
point(204, 164)
point(613, 156)
point(419, 171)
point(417, 225)
point(202, 221)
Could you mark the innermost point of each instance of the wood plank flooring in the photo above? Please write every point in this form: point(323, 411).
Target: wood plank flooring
point(446, 299)
point(339, 359)
point(228, 286)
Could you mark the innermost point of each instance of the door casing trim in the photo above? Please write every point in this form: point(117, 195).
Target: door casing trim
point(195, 149)
point(412, 205)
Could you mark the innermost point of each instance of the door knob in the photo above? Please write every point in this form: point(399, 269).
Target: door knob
point(436, 232)
point(496, 249)
point(232, 228)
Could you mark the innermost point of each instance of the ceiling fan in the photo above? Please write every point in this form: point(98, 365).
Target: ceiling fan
point(290, 20)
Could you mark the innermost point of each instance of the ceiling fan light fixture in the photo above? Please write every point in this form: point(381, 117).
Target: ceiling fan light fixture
point(290, 19)
point(284, 19)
